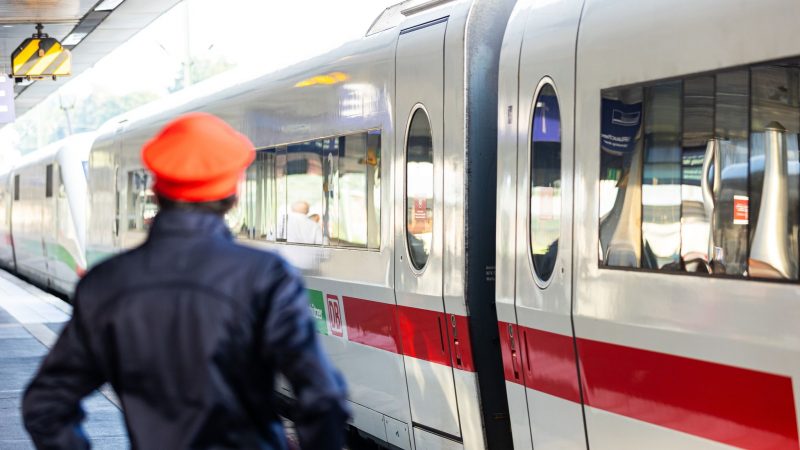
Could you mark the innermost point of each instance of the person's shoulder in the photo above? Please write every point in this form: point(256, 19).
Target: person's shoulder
point(104, 276)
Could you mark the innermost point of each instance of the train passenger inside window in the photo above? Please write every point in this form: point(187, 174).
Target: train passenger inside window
point(300, 227)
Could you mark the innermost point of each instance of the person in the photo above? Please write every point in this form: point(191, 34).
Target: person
point(190, 329)
point(300, 227)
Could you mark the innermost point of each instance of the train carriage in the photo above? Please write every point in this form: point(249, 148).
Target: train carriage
point(371, 177)
point(632, 169)
point(43, 214)
point(6, 244)
point(648, 175)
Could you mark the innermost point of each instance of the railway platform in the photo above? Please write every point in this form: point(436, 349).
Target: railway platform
point(30, 320)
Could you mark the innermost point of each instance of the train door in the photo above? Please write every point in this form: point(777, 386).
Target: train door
point(539, 348)
point(418, 238)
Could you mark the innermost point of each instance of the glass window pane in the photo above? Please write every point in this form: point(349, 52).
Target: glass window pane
point(697, 199)
point(545, 182)
point(419, 189)
point(265, 193)
point(775, 119)
point(142, 204)
point(330, 188)
point(373, 164)
point(304, 193)
point(661, 178)
point(621, 177)
point(353, 191)
point(280, 193)
point(731, 130)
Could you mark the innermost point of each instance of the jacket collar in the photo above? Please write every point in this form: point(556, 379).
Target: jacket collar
point(189, 224)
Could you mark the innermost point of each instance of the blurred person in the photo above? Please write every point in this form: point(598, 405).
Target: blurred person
point(300, 228)
point(191, 329)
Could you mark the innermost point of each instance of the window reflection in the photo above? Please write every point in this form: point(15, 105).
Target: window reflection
point(731, 115)
point(330, 191)
point(353, 191)
point(621, 177)
point(304, 194)
point(419, 189)
point(254, 214)
point(545, 182)
point(661, 177)
point(719, 164)
point(775, 118)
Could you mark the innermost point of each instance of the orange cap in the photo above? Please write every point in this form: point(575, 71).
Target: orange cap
point(197, 158)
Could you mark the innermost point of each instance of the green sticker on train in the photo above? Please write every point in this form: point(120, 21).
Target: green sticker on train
point(317, 304)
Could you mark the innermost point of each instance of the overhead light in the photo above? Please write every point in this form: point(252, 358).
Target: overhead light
point(8, 26)
point(108, 5)
point(74, 38)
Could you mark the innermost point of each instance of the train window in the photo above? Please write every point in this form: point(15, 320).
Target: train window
point(142, 204)
point(545, 193)
point(302, 220)
point(48, 181)
point(419, 188)
point(702, 174)
point(16, 188)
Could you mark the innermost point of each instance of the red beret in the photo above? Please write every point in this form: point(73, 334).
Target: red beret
point(197, 158)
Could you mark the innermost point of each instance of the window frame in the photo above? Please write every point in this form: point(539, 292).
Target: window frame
point(540, 283)
point(281, 149)
point(414, 269)
point(682, 78)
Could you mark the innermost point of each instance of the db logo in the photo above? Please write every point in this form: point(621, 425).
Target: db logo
point(335, 322)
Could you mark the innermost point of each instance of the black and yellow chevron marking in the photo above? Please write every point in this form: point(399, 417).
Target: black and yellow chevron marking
point(43, 57)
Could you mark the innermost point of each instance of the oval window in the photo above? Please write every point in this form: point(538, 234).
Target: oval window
point(545, 212)
point(419, 189)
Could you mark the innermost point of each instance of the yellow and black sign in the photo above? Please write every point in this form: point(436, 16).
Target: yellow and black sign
point(40, 57)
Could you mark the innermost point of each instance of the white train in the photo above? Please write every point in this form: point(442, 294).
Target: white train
point(538, 224)
point(43, 214)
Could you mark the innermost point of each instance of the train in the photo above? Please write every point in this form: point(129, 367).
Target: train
point(549, 224)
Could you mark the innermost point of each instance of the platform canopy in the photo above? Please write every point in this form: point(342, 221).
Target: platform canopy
point(90, 29)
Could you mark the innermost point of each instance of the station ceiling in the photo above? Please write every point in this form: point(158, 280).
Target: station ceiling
point(89, 28)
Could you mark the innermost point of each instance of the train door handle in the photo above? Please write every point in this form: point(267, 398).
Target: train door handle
point(456, 343)
point(514, 355)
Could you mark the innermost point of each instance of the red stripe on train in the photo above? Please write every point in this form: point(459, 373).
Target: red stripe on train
point(371, 323)
point(732, 405)
point(418, 333)
point(540, 360)
point(736, 406)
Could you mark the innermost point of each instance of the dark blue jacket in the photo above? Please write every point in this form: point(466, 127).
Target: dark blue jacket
point(190, 329)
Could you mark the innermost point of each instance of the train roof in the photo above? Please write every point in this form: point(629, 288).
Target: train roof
point(238, 82)
point(80, 142)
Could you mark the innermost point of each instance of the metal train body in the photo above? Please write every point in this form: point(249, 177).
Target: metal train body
point(43, 215)
point(602, 153)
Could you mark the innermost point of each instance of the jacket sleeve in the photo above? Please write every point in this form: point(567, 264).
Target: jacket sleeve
point(291, 343)
point(51, 406)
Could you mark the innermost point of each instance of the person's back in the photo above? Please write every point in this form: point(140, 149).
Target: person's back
point(190, 329)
